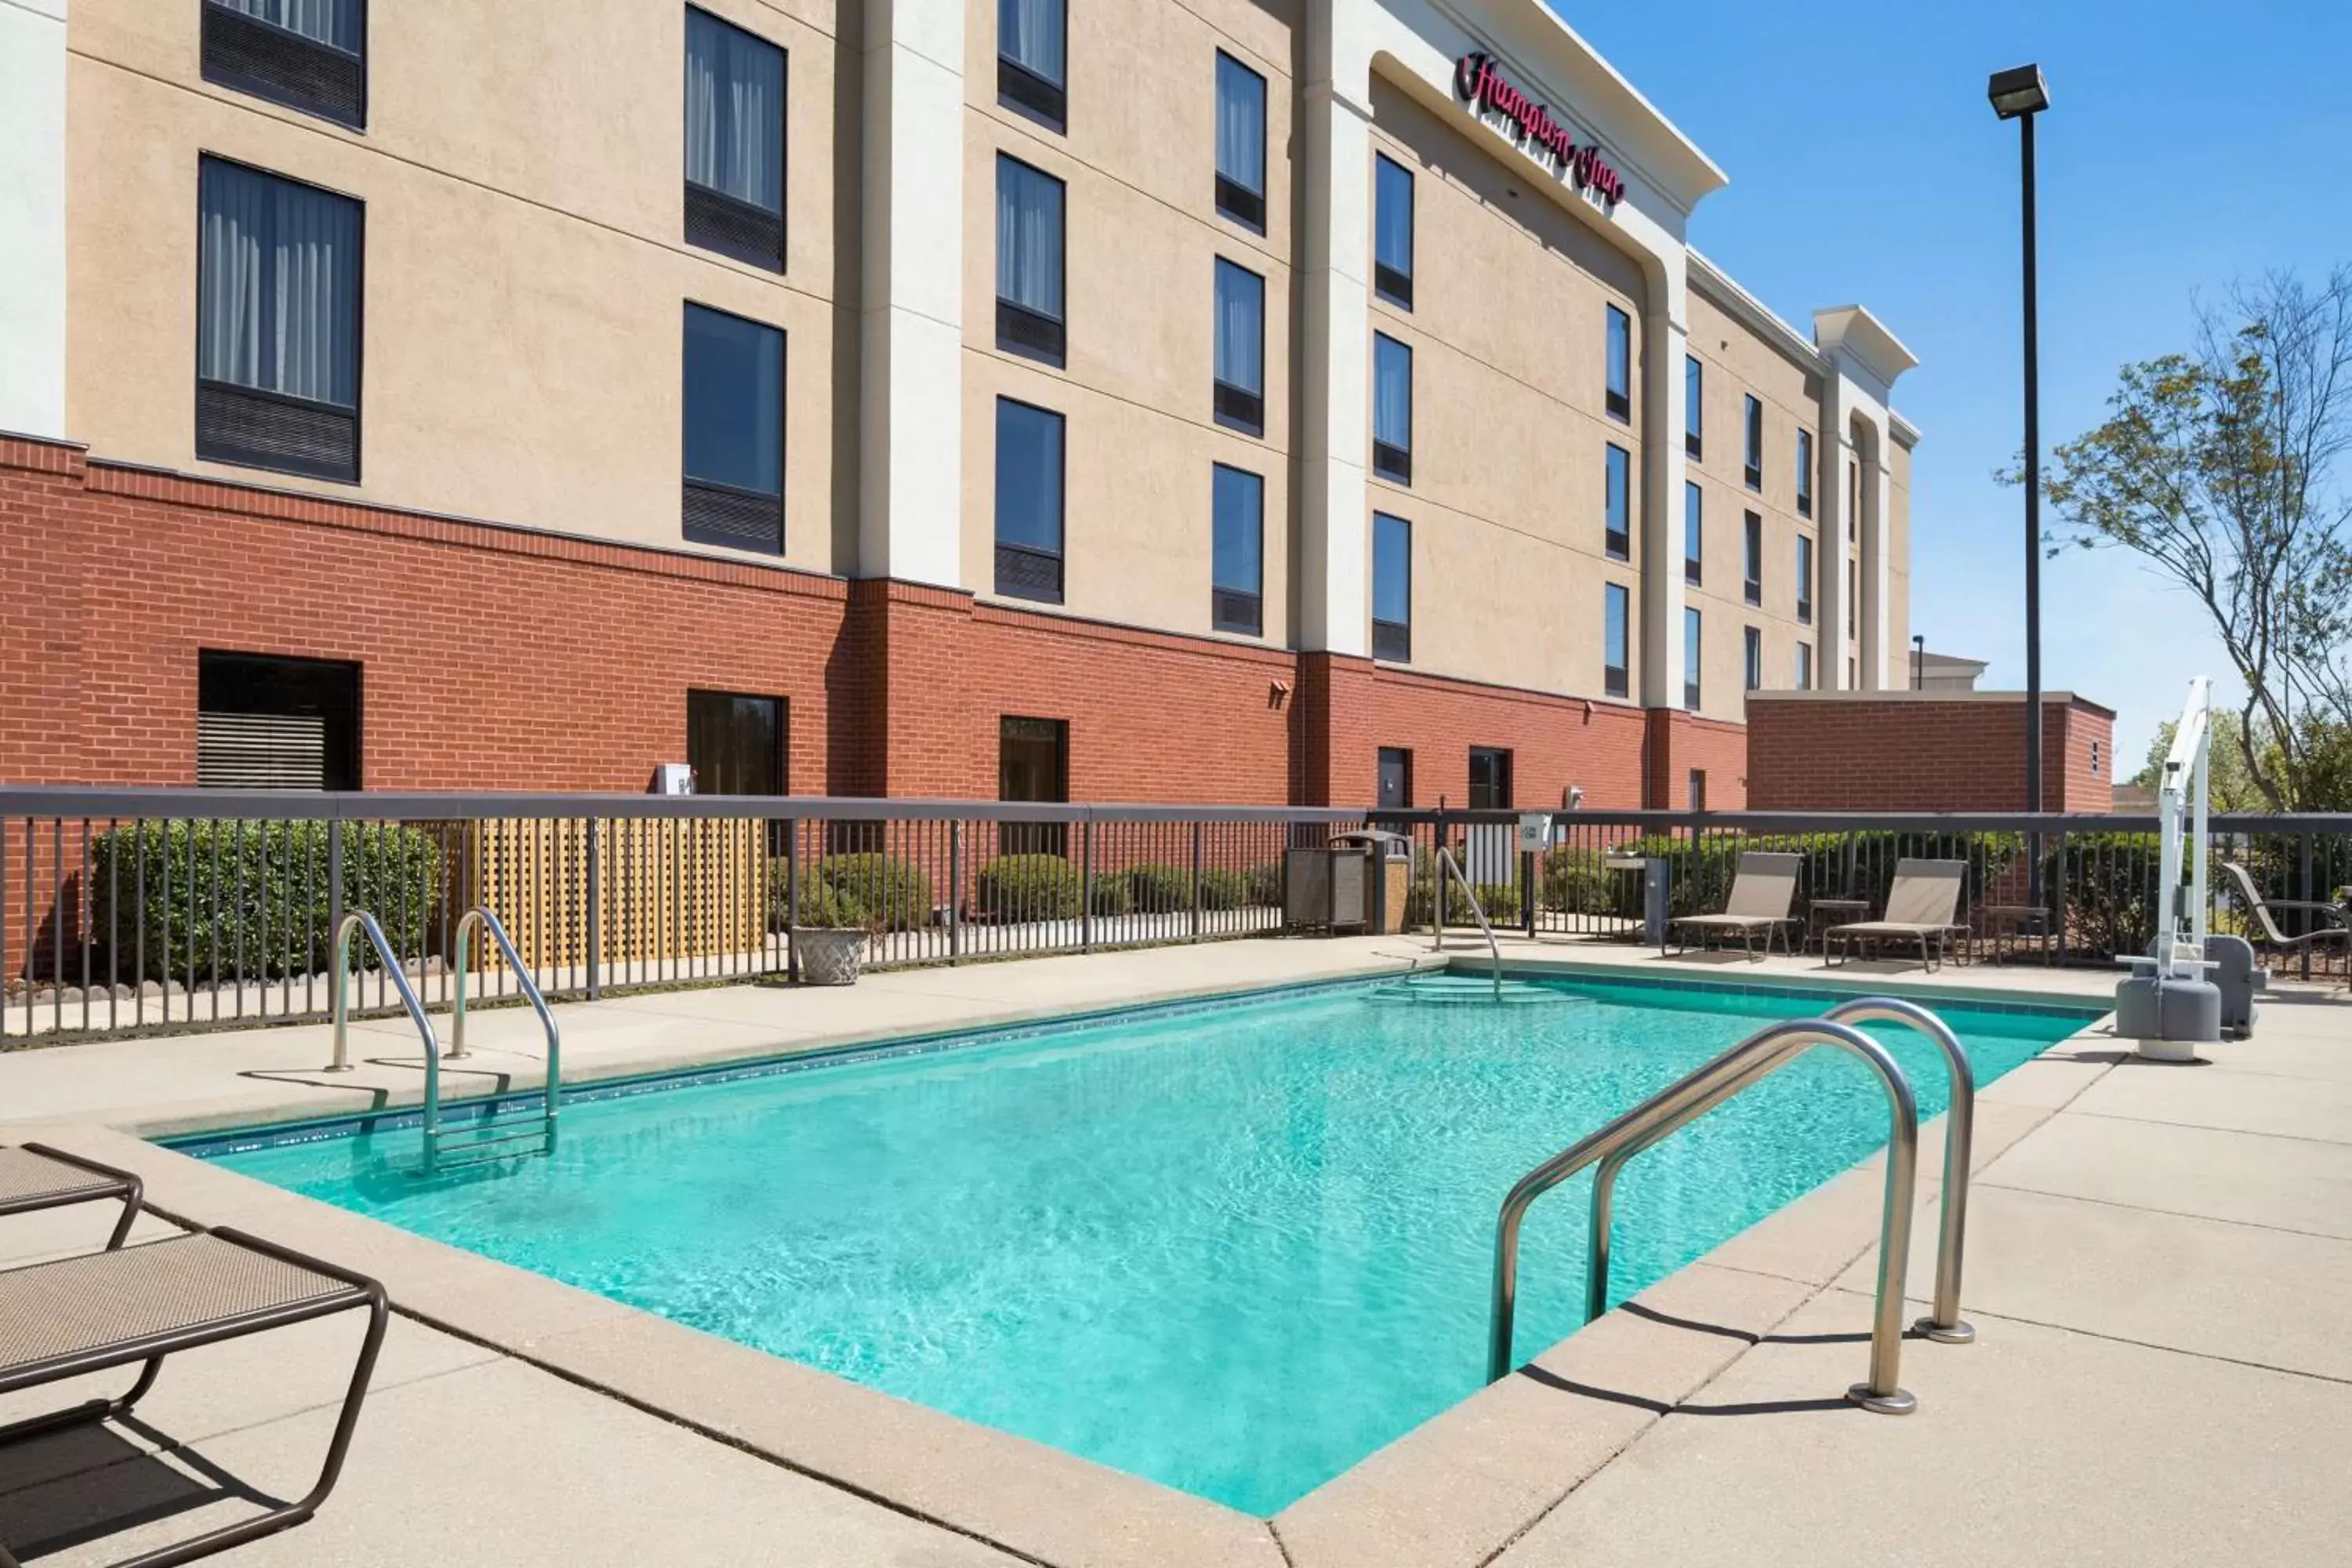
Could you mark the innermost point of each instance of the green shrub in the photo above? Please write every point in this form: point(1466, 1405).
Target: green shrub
point(2108, 883)
point(1262, 885)
point(1156, 888)
point(1577, 881)
point(1227, 890)
point(1028, 887)
point(1499, 901)
point(255, 892)
point(1112, 895)
point(894, 890)
point(823, 904)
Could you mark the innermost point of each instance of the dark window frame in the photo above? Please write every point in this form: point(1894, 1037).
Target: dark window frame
point(781, 763)
point(1616, 542)
point(1752, 659)
point(1693, 657)
point(1804, 473)
point(1753, 432)
point(226, 397)
point(1804, 667)
point(1235, 201)
point(1233, 609)
point(1693, 407)
point(1404, 757)
point(1232, 406)
point(706, 504)
point(1023, 329)
point(1806, 555)
point(1751, 545)
point(216, 666)
point(223, 32)
point(1033, 557)
point(1033, 838)
point(1390, 284)
point(1500, 783)
point(1029, 94)
point(1391, 639)
point(1617, 679)
point(1390, 461)
point(1694, 532)
point(726, 224)
point(1618, 400)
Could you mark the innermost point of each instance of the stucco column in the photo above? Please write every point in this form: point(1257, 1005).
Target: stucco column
point(1335, 340)
point(911, 310)
point(33, 216)
point(1875, 504)
point(1665, 336)
point(1836, 440)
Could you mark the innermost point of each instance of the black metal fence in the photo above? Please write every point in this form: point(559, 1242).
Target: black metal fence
point(127, 911)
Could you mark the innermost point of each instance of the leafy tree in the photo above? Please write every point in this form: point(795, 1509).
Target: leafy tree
point(2229, 783)
point(2217, 468)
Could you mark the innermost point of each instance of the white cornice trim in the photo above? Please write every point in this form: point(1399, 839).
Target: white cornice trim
point(1751, 313)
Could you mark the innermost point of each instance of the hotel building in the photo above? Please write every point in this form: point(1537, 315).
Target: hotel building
point(1310, 401)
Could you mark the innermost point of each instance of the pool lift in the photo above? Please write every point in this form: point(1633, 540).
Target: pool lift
point(2169, 1006)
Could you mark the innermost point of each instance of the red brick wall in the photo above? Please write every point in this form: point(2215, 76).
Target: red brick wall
point(1555, 741)
point(1922, 753)
point(1680, 741)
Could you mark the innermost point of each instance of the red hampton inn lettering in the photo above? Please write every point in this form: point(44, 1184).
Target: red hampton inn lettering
point(1478, 83)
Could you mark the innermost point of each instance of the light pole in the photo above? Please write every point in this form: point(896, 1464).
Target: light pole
point(1918, 663)
point(2020, 94)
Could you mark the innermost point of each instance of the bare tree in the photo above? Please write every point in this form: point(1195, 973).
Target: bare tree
point(2218, 468)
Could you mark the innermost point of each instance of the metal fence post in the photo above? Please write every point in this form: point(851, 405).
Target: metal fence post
point(1196, 880)
point(1087, 885)
point(955, 888)
point(2303, 924)
point(596, 912)
point(1530, 867)
point(791, 901)
point(334, 876)
point(2056, 913)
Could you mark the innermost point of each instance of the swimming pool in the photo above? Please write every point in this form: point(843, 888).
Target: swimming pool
point(1233, 1246)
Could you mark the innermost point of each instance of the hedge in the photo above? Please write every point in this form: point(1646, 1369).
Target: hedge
point(1157, 888)
point(257, 893)
point(823, 904)
point(1029, 887)
point(894, 890)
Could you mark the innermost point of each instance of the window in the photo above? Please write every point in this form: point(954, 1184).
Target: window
point(1028, 501)
point(1853, 595)
point(1241, 143)
point(1696, 785)
point(1804, 473)
point(1804, 667)
point(1852, 502)
point(1852, 674)
point(1693, 407)
point(1391, 409)
point(734, 142)
point(734, 448)
point(1030, 37)
point(1236, 551)
point(735, 744)
point(276, 723)
point(1391, 588)
point(1753, 578)
point(1032, 763)
point(1755, 442)
point(1621, 364)
point(1391, 231)
point(1490, 779)
point(1693, 530)
point(1396, 779)
point(2095, 759)
point(309, 55)
point(1240, 397)
point(1029, 262)
point(1691, 650)
point(1616, 630)
point(277, 323)
point(1752, 660)
point(1617, 536)
point(1804, 579)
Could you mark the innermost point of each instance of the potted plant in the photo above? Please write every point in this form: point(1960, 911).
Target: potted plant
point(833, 935)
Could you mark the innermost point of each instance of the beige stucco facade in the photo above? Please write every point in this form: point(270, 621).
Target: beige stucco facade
point(526, 270)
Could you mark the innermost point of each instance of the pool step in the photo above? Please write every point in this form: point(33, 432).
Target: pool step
point(1452, 988)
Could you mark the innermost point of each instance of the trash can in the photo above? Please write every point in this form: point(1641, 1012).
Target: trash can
point(1326, 886)
point(1388, 878)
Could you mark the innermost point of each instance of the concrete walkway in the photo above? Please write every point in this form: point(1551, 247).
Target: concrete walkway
point(2156, 1262)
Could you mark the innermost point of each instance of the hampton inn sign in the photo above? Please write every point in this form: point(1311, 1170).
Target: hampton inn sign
point(1478, 83)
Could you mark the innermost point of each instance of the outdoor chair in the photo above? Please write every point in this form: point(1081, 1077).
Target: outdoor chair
point(2334, 929)
point(1923, 906)
point(74, 1315)
point(1760, 895)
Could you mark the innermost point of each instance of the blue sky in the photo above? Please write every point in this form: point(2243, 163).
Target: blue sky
point(2186, 145)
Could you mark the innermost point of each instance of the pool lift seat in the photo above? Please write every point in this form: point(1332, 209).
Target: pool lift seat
point(486, 1140)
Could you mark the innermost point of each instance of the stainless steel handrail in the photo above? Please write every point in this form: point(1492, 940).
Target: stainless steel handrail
point(1437, 915)
point(357, 920)
point(1692, 1096)
point(1944, 1324)
point(480, 916)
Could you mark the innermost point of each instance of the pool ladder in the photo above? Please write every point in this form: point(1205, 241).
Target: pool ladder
point(1747, 1063)
point(474, 1149)
point(1448, 866)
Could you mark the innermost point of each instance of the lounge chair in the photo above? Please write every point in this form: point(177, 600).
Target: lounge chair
point(1923, 906)
point(2333, 930)
point(35, 1177)
point(1760, 895)
point(74, 1315)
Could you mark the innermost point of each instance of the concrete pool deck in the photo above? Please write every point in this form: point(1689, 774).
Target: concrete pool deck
point(2154, 1258)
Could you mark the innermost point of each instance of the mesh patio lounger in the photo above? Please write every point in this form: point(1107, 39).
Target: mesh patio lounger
point(35, 1177)
point(1760, 895)
point(1923, 906)
point(2333, 928)
point(104, 1310)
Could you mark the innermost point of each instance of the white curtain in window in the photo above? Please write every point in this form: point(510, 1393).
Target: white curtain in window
point(1392, 218)
point(1241, 125)
point(1030, 33)
point(734, 112)
point(1028, 238)
point(1392, 393)
point(341, 23)
point(1241, 328)
point(279, 276)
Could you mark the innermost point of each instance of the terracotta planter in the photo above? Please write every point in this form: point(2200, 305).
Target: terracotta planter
point(829, 955)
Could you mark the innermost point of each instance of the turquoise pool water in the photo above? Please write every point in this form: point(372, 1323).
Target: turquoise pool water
point(1233, 1248)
